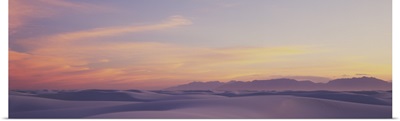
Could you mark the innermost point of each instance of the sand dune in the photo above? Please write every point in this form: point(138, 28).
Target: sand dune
point(31, 103)
point(197, 106)
point(257, 107)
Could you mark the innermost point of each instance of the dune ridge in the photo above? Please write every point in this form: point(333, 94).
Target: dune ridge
point(201, 104)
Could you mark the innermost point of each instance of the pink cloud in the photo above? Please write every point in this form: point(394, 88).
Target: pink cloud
point(23, 11)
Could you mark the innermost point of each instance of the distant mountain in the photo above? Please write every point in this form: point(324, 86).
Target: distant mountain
point(345, 84)
point(198, 86)
point(273, 84)
point(363, 83)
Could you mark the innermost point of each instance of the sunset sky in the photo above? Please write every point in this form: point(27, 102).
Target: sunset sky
point(154, 44)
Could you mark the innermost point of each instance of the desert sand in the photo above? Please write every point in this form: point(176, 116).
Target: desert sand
point(199, 104)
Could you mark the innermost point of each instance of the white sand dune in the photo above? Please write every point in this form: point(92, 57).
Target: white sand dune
point(264, 106)
point(18, 103)
point(152, 96)
point(258, 107)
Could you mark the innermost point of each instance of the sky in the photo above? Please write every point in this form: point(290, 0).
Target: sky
point(152, 44)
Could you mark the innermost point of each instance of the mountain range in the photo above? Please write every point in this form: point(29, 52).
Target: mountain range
point(343, 84)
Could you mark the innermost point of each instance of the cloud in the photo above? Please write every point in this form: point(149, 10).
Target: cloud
point(135, 62)
point(32, 71)
point(13, 55)
point(62, 60)
point(362, 74)
point(62, 39)
point(152, 65)
point(172, 21)
point(104, 60)
point(72, 5)
point(23, 11)
point(26, 69)
point(19, 11)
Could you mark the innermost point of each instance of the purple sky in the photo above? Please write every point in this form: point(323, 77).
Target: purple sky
point(149, 44)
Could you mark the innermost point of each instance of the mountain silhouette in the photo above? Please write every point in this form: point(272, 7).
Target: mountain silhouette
point(363, 83)
point(344, 84)
point(273, 84)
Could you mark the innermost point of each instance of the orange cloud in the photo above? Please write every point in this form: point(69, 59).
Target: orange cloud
point(58, 63)
point(173, 21)
point(63, 63)
point(62, 39)
point(131, 63)
point(157, 65)
point(37, 71)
